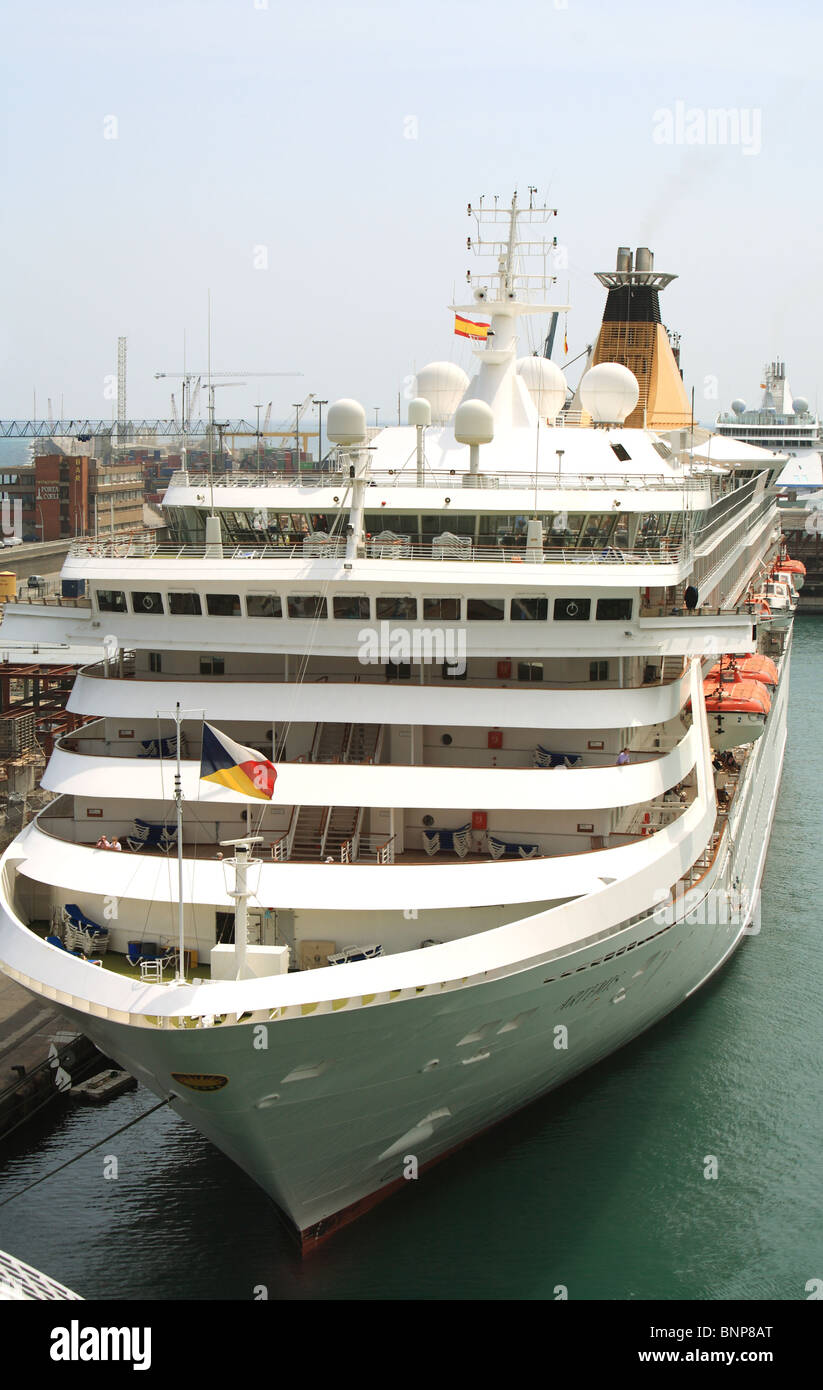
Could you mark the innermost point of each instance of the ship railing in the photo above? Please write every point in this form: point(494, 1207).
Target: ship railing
point(51, 601)
point(281, 848)
point(325, 822)
point(511, 551)
point(368, 847)
point(444, 479)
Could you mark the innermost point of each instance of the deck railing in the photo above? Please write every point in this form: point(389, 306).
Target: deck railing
point(444, 479)
point(401, 549)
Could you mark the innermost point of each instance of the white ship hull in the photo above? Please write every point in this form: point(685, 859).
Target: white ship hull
point(439, 1070)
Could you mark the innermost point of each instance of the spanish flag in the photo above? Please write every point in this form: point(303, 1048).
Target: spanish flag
point(466, 328)
point(233, 766)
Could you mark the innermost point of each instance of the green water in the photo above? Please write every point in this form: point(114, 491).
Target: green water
point(599, 1188)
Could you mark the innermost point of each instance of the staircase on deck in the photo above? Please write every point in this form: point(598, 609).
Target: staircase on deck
point(319, 832)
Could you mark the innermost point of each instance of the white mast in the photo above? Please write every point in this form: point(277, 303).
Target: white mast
point(241, 894)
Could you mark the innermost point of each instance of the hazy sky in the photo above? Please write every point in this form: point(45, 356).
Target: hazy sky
point(152, 151)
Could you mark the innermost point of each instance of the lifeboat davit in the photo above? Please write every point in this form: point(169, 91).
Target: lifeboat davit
point(733, 669)
point(795, 568)
point(737, 711)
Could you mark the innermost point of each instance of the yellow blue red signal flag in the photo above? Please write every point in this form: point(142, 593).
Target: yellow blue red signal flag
point(232, 765)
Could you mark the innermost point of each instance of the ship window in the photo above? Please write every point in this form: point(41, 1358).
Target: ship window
point(111, 600)
point(212, 666)
point(306, 606)
point(487, 610)
point(401, 607)
point(529, 609)
point(398, 671)
point(351, 606)
point(614, 610)
point(598, 670)
point(185, 604)
point(143, 602)
point(662, 448)
point(264, 606)
point(572, 610)
point(621, 453)
point(454, 670)
point(530, 670)
point(441, 608)
point(155, 661)
point(223, 605)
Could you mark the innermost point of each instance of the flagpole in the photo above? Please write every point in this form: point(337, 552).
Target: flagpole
point(177, 715)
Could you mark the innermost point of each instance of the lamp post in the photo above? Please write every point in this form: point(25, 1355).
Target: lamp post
point(296, 408)
point(320, 405)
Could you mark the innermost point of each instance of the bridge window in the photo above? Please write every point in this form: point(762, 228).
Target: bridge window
point(529, 610)
point(223, 605)
point(350, 606)
point(144, 602)
point(621, 453)
point(111, 600)
point(530, 670)
point(212, 666)
point(264, 606)
point(401, 607)
point(598, 670)
point(572, 610)
point(398, 671)
point(613, 610)
point(185, 604)
point(306, 606)
point(442, 608)
point(485, 610)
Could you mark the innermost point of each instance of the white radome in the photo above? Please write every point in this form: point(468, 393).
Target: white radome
point(443, 385)
point(546, 384)
point(474, 423)
point(609, 392)
point(420, 411)
point(346, 422)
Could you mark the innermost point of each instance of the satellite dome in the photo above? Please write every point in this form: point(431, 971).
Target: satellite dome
point(609, 392)
point(474, 423)
point(738, 406)
point(420, 412)
point(346, 422)
point(546, 384)
point(801, 405)
point(443, 385)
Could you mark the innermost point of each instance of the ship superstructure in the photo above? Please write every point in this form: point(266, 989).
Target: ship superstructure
point(782, 422)
point(501, 842)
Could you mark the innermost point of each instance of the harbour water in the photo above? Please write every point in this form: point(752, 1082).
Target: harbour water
point(599, 1190)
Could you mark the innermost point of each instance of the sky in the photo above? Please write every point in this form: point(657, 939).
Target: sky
point(309, 164)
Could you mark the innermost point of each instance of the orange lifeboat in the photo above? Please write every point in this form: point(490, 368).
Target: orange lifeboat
point(733, 669)
point(795, 568)
point(737, 711)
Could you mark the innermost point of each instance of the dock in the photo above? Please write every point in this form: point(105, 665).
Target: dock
point(40, 1057)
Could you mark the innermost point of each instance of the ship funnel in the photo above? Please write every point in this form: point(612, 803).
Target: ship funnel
point(624, 258)
point(644, 259)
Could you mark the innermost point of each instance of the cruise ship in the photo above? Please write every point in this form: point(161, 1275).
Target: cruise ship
point(501, 660)
point(782, 423)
